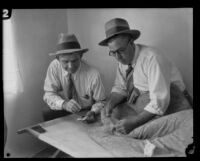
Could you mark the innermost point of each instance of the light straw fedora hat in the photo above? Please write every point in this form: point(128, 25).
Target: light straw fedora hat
point(68, 43)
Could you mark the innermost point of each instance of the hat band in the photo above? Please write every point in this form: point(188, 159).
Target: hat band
point(116, 29)
point(68, 45)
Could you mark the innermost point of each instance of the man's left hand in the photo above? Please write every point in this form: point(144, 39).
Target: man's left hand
point(124, 126)
point(90, 117)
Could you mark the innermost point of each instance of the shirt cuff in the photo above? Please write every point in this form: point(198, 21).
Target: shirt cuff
point(97, 107)
point(153, 108)
point(59, 103)
point(119, 90)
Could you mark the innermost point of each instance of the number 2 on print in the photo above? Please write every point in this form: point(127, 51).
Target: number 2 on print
point(5, 13)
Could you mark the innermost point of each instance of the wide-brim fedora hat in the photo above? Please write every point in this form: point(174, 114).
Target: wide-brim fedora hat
point(118, 26)
point(68, 43)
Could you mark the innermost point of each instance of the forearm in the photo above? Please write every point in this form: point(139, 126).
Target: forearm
point(141, 119)
point(115, 99)
point(53, 100)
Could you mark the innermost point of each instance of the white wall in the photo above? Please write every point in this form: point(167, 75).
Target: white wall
point(35, 35)
point(168, 29)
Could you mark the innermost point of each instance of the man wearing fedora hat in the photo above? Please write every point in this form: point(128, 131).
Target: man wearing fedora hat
point(144, 82)
point(71, 84)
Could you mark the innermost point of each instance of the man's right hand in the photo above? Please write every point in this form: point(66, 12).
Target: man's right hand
point(114, 100)
point(71, 106)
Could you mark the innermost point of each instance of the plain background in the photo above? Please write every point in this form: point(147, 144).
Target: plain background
point(36, 34)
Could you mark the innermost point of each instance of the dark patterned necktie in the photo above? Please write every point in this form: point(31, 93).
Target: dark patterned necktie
point(129, 79)
point(70, 87)
point(128, 71)
point(71, 92)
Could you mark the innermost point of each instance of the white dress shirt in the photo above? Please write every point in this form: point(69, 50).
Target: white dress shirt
point(152, 73)
point(87, 82)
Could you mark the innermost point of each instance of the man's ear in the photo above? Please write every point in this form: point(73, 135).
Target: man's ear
point(132, 41)
point(57, 57)
point(81, 55)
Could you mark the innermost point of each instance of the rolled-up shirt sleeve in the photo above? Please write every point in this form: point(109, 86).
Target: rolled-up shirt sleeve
point(119, 84)
point(159, 85)
point(98, 92)
point(51, 88)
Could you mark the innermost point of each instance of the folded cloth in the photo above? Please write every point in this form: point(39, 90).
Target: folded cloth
point(163, 125)
point(149, 148)
point(171, 134)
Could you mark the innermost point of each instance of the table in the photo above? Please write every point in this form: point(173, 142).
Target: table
point(70, 136)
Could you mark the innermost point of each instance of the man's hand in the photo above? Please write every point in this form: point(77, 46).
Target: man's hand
point(124, 126)
point(71, 106)
point(108, 109)
point(89, 117)
point(114, 100)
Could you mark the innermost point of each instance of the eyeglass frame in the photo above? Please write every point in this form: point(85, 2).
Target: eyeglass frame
point(119, 52)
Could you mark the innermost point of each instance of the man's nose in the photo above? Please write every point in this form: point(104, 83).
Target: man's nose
point(118, 56)
point(69, 65)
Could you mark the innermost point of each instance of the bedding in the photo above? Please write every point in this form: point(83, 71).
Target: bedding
point(167, 136)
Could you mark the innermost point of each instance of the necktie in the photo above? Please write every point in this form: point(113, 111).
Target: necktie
point(70, 87)
point(129, 79)
point(130, 68)
point(71, 92)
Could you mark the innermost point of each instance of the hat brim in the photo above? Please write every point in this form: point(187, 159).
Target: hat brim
point(134, 33)
point(69, 51)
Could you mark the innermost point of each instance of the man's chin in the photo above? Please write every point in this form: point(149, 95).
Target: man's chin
point(123, 62)
point(72, 71)
point(69, 71)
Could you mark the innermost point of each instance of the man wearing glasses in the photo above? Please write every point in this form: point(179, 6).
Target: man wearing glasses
point(145, 83)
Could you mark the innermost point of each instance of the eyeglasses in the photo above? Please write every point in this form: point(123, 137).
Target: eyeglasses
point(119, 51)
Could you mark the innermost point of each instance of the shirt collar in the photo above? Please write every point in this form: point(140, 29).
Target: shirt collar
point(78, 71)
point(136, 55)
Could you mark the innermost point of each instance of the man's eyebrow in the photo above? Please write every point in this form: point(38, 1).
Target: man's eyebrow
point(121, 48)
point(118, 49)
point(74, 60)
